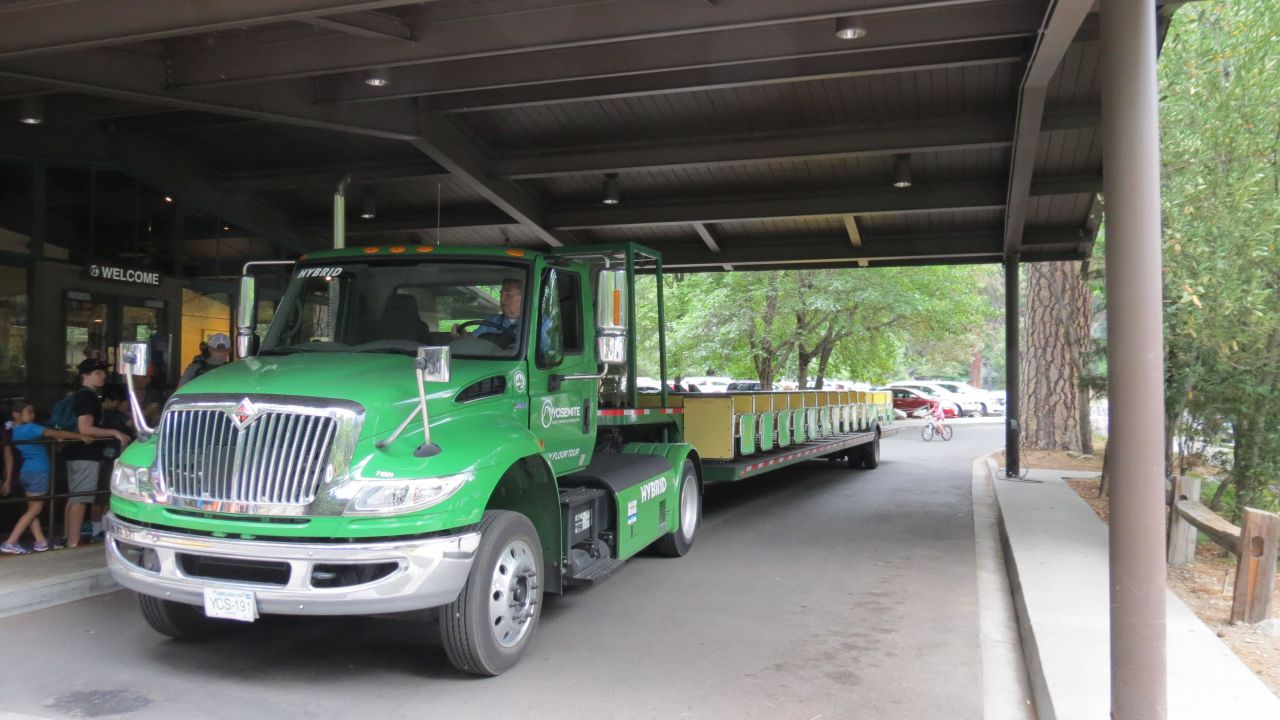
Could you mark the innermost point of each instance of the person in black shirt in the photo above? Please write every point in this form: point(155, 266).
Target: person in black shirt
point(83, 460)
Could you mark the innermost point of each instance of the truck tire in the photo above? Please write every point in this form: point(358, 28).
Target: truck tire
point(489, 626)
point(866, 455)
point(678, 542)
point(178, 620)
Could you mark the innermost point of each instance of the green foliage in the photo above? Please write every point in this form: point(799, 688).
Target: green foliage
point(869, 324)
point(1220, 127)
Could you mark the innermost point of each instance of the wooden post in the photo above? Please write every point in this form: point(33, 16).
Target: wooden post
point(1256, 567)
point(1182, 534)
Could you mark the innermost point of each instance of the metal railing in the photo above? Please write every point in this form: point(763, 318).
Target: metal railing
point(57, 480)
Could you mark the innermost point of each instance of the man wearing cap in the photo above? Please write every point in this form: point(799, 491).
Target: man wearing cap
point(219, 355)
point(82, 459)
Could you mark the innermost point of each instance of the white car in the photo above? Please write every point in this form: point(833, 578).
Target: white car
point(708, 384)
point(990, 403)
point(964, 406)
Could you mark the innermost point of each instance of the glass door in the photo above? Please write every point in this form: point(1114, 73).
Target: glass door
point(143, 321)
point(87, 330)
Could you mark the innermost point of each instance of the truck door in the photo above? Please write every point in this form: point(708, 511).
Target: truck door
point(562, 413)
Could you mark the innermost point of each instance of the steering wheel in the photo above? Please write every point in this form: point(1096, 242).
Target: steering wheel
point(506, 336)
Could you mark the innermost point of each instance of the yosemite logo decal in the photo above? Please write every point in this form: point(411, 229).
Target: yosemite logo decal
point(552, 414)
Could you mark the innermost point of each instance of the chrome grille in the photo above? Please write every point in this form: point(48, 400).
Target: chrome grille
point(278, 458)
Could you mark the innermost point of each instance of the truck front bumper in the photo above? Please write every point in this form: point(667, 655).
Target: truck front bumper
point(289, 578)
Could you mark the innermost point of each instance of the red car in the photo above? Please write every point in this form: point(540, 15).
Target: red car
point(915, 404)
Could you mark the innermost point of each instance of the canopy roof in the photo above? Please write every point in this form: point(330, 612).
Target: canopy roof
point(744, 134)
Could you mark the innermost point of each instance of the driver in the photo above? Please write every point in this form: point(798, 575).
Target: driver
point(511, 302)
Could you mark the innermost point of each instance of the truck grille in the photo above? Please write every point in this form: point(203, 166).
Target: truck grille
point(277, 458)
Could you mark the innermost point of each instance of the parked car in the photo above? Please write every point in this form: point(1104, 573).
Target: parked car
point(914, 403)
point(650, 385)
point(990, 403)
point(962, 405)
point(744, 385)
point(708, 384)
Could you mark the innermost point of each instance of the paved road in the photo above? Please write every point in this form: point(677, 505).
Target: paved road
point(818, 592)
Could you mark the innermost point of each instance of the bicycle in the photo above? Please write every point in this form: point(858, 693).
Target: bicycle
point(933, 427)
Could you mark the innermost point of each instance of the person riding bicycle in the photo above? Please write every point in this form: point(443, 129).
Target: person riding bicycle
point(934, 424)
point(936, 416)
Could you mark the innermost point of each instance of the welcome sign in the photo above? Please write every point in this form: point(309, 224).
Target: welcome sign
point(116, 273)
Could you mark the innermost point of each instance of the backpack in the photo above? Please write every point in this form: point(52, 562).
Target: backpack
point(63, 417)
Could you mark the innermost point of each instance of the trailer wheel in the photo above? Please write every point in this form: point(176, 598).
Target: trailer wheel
point(489, 626)
point(178, 620)
point(678, 542)
point(866, 455)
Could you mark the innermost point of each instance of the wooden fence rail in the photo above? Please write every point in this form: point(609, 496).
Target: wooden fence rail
point(1254, 545)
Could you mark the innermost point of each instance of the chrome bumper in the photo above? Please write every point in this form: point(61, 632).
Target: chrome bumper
point(429, 573)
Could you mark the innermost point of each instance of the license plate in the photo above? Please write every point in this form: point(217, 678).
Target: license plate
point(230, 604)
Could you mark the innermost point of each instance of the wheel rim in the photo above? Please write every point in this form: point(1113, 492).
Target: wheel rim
point(513, 593)
point(689, 508)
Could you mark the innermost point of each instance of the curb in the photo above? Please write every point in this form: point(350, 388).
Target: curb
point(56, 591)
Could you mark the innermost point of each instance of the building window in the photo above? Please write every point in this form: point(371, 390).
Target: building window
point(13, 325)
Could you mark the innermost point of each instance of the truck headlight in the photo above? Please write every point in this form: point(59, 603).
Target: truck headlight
point(393, 497)
point(132, 483)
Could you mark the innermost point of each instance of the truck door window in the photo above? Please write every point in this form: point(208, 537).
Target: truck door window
point(550, 348)
point(571, 312)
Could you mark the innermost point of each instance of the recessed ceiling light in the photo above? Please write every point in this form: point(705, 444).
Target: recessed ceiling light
point(377, 77)
point(850, 28)
point(32, 112)
point(611, 194)
point(902, 171)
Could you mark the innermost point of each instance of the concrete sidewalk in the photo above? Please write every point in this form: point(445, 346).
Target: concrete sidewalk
point(40, 580)
point(1056, 553)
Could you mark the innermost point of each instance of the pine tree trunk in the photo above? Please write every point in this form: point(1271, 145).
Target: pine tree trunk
point(1055, 327)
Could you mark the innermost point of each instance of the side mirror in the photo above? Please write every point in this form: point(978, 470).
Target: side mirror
point(245, 345)
point(433, 363)
point(611, 302)
point(611, 317)
point(611, 349)
point(132, 359)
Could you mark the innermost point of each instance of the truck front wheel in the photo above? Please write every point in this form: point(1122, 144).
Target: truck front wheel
point(678, 542)
point(178, 620)
point(488, 627)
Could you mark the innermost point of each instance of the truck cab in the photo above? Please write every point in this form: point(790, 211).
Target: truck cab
point(418, 427)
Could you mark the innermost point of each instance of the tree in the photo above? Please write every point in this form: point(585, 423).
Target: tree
point(855, 323)
point(1220, 147)
point(1054, 397)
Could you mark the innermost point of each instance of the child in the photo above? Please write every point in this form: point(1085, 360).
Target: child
point(34, 475)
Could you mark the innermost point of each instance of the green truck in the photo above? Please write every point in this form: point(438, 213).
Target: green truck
point(450, 428)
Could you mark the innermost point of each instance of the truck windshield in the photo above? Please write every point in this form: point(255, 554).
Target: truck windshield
point(395, 307)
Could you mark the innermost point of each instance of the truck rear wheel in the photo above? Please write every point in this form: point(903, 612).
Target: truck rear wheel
point(178, 620)
point(866, 455)
point(679, 541)
point(489, 626)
